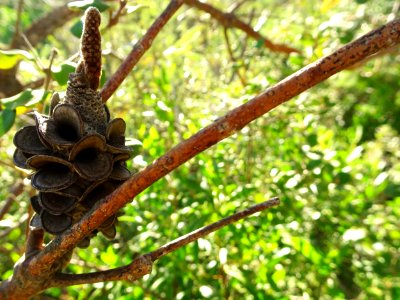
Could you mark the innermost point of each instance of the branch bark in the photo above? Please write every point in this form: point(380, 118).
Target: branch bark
point(138, 50)
point(139, 267)
point(229, 20)
point(232, 122)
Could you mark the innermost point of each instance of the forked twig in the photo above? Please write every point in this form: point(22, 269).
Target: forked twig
point(201, 232)
point(138, 50)
point(142, 265)
point(229, 20)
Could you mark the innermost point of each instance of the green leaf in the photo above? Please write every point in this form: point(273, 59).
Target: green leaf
point(9, 58)
point(109, 257)
point(279, 276)
point(26, 98)
point(61, 73)
point(7, 118)
point(77, 29)
point(18, 100)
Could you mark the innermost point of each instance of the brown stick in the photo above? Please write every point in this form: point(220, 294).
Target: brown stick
point(138, 50)
point(233, 59)
point(198, 233)
point(136, 269)
point(229, 20)
point(14, 191)
point(142, 265)
point(17, 26)
point(114, 18)
point(371, 43)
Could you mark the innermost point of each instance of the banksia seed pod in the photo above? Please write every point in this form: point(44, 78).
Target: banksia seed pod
point(77, 154)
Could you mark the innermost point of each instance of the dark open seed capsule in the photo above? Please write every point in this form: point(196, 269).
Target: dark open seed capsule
point(55, 224)
point(57, 204)
point(27, 140)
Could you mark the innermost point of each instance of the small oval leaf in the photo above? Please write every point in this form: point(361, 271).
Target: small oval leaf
point(7, 118)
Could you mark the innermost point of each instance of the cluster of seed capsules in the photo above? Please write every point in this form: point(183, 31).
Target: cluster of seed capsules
point(73, 167)
point(77, 154)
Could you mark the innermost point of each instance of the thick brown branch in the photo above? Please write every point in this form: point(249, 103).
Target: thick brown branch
point(223, 127)
point(34, 242)
point(195, 235)
point(229, 20)
point(138, 50)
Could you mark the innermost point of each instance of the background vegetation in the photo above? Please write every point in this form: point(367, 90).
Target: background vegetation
point(332, 154)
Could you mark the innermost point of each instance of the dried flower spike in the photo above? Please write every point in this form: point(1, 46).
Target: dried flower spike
point(91, 48)
point(82, 85)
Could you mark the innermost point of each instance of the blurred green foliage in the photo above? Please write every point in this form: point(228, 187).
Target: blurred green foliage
point(332, 154)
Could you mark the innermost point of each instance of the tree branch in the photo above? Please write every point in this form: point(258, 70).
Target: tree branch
point(142, 265)
point(135, 270)
point(138, 50)
point(114, 18)
point(232, 122)
point(229, 20)
point(17, 30)
point(14, 191)
point(201, 232)
point(233, 59)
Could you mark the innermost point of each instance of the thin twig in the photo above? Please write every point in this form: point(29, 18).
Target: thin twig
point(136, 269)
point(229, 20)
point(33, 51)
point(142, 265)
point(233, 59)
point(138, 50)
point(232, 122)
point(47, 70)
point(201, 232)
point(114, 18)
point(7, 231)
point(14, 191)
point(236, 6)
point(17, 31)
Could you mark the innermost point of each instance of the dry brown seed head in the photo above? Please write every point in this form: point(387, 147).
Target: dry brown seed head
point(91, 48)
